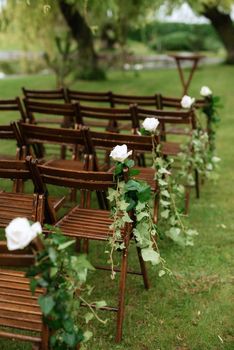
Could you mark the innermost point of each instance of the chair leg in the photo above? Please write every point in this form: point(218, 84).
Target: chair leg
point(143, 269)
point(197, 183)
point(187, 199)
point(122, 288)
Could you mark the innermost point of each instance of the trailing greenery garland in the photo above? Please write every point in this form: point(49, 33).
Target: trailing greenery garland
point(63, 274)
point(210, 109)
point(130, 204)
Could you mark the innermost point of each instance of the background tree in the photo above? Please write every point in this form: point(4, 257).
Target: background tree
point(219, 14)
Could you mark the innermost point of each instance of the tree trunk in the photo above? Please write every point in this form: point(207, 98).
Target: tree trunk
point(224, 27)
point(88, 60)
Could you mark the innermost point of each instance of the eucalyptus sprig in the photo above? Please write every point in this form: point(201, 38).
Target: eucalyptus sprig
point(62, 274)
point(130, 205)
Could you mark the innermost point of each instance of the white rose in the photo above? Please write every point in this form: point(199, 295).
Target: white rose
point(120, 153)
point(205, 91)
point(19, 233)
point(187, 101)
point(150, 124)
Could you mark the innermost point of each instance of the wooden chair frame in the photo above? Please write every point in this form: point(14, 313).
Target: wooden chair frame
point(82, 222)
point(18, 308)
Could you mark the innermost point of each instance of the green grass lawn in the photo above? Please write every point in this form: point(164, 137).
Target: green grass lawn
point(194, 309)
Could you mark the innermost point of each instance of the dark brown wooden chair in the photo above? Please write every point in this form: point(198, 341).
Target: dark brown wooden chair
point(139, 144)
point(19, 310)
point(87, 97)
point(31, 136)
point(45, 95)
point(50, 113)
point(83, 222)
point(12, 109)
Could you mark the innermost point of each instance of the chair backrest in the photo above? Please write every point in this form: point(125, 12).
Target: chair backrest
point(90, 97)
point(105, 118)
point(107, 141)
point(46, 112)
point(149, 101)
point(85, 181)
point(18, 204)
point(175, 102)
point(33, 135)
point(45, 95)
point(12, 105)
point(166, 117)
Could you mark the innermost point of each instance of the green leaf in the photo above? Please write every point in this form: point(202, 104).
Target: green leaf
point(87, 336)
point(100, 304)
point(165, 193)
point(118, 169)
point(46, 303)
point(33, 285)
point(66, 244)
point(129, 163)
point(88, 317)
point(165, 214)
point(161, 273)
point(134, 172)
point(149, 254)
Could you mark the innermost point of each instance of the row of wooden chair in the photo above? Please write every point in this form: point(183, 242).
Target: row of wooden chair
point(107, 98)
point(18, 309)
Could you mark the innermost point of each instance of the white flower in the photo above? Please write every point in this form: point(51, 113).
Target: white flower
point(138, 66)
point(150, 124)
point(19, 233)
point(187, 101)
point(205, 91)
point(120, 153)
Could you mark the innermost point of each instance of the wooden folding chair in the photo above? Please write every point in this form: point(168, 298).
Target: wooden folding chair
point(87, 97)
point(45, 95)
point(83, 222)
point(172, 148)
point(19, 310)
point(139, 144)
point(33, 135)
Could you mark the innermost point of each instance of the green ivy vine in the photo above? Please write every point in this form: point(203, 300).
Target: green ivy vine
point(130, 204)
point(62, 274)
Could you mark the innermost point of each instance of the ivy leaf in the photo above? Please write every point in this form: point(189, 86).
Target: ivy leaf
point(149, 254)
point(46, 303)
point(66, 244)
point(161, 273)
point(118, 169)
point(165, 214)
point(142, 215)
point(129, 163)
point(87, 336)
point(33, 285)
point(100, 304)
point(165, 193)
point(134, 172)
point(88, 317)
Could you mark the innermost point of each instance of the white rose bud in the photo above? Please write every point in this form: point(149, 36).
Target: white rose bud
point(120, 153)
point(187, 101)
point(19, 233)
point(150, 124)
point(205, 91)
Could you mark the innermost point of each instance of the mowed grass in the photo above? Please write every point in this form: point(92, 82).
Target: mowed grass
point(193, 310)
